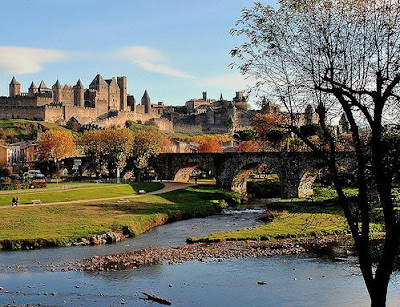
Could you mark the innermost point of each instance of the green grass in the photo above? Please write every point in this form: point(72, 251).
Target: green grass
point(23, 129)
point(72, 191)
point(66, 223)
point(296, 217)
point(286, 225)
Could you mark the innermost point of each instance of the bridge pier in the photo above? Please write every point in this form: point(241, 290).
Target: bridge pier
point(296, 170)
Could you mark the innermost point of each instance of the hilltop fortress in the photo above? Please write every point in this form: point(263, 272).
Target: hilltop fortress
point(104, 103)
point(107, 103)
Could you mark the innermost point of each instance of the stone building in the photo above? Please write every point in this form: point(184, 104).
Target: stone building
point(104, 103)
point(204, 115)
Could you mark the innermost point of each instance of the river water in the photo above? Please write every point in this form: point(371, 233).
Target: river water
point(292, 280)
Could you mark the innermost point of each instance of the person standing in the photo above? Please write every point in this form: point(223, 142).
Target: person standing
point(13, 201)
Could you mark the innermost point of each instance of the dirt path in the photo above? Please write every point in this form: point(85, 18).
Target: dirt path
point(168, 187)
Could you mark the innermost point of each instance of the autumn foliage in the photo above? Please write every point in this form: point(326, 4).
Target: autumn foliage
point(264, 123)
point(210, 146)
point(55, 145)
point(250, 146)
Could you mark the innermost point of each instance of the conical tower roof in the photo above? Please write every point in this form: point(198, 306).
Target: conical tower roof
point(98, 80)
point(146, 96)
point(221, 98)
point(33, 85)
point(43, 85)
point(80, 84)
point(14, 81)
point(57, 84)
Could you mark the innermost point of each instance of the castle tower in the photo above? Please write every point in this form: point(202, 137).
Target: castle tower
point(123, 83)
point(43, 87)
point(79, 93)
point(98, 84)
point(344, 125)
point(308, 115)
point(132, 102)
point(32, 90)
point(14, 88)
point(146, 101)
point(205, 96)
point(57, 91)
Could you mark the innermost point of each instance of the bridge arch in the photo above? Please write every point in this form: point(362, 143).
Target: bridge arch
point(184, 172)
point(240, 179)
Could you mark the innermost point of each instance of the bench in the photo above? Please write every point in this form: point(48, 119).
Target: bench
point(36, 201)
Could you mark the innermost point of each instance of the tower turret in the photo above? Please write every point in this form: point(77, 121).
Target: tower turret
point(32, 90)
point(14, 88)
point(57, 91)
point(79, 94)
point(123, 83)
point(146, 101)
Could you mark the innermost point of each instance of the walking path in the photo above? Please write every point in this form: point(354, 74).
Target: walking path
point(168, 187)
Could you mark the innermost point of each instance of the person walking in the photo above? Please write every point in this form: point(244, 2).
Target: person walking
point(13, 201)
point(17, 201)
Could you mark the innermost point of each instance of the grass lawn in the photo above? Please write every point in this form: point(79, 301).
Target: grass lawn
point(66, 223)
point(76, 191)
point(296, 217)
point(26, 129)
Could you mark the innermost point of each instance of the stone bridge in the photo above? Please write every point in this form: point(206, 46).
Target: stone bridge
point(296, 170)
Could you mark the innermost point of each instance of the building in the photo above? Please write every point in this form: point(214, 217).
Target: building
point(15, 153)
point(104, 103)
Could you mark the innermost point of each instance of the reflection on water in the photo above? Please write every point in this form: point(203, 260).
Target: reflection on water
point(292, 280)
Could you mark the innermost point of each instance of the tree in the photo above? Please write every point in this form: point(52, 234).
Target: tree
point(210, 146)
point(93, 143)
point(55, 145)
point(343, 57)
point(146, 143)
point(272, 129)
point(117, 145)
point(250, 146)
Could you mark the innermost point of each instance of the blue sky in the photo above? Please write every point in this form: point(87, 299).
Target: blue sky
point(173, 48)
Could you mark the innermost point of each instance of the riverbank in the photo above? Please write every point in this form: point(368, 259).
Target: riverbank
point(332, 246)
point(39, 226)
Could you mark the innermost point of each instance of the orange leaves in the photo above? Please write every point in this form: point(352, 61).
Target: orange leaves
point(264, 123)
point(210, 146)
point(250, 146)
point(211, 137)
point(55, 145)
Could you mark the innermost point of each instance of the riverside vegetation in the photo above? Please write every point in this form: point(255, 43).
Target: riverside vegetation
point(60, 225)
point(317, 216)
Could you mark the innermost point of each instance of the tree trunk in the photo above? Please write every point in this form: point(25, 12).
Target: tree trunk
point(379, 293)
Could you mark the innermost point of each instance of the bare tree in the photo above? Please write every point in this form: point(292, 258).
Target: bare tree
point(342, 56)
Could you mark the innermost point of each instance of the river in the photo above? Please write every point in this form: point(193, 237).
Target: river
point(26, 276)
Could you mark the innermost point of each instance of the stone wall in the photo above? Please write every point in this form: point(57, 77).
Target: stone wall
point(21, 101)
point(54, 113)
point(22, 112)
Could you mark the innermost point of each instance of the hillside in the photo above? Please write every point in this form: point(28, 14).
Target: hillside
point(15, 130)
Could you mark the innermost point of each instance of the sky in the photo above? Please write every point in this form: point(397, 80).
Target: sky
point(176, 49)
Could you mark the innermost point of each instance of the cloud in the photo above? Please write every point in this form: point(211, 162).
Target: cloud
point(150, 59)
point(228, 81)
point(22, 60)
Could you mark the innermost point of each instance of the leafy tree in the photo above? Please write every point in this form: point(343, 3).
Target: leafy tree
point(146, 143)
point(250, 146)
point(93, 144)
point(55, 145)
point(117, 145)
point(210, 146)
point(343, 57)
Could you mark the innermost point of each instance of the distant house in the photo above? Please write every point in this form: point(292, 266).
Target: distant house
point(21, 152)
point(5, 155)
